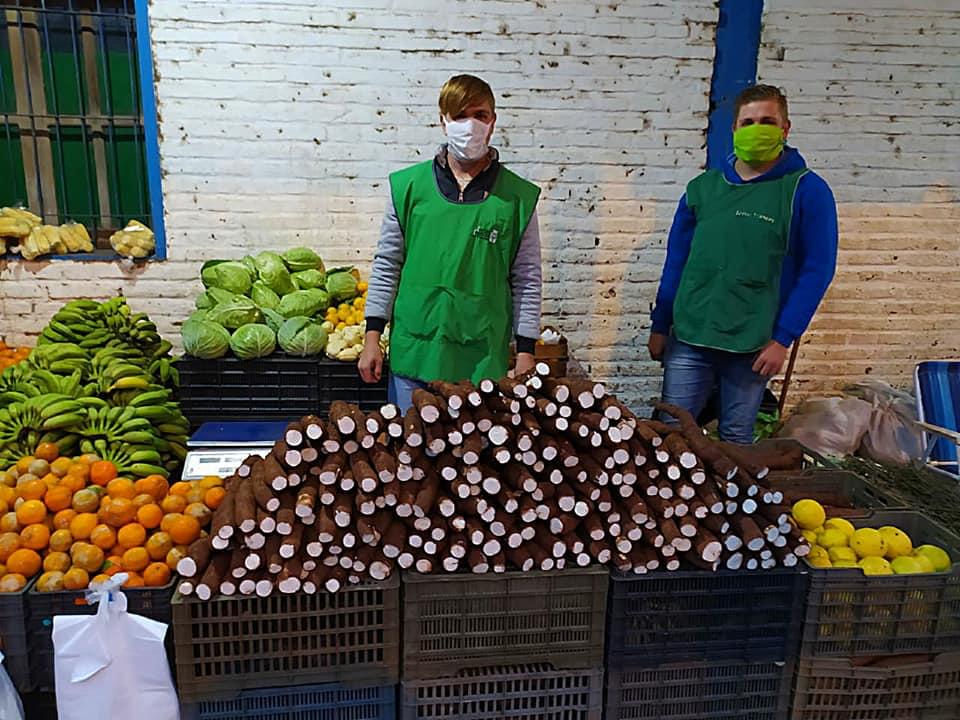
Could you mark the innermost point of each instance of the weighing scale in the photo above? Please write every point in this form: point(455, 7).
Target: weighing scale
point(219, 448)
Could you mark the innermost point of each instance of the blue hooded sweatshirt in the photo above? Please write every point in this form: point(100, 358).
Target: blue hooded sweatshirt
point(808, 266)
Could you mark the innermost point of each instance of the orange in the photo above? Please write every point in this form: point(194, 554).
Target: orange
point(25, 562)
point(30, 512)
point(159, 545)
point(23, 464)
point(58, 561)
point(50, 581)
point(213, 497)
point(200, 511)
point(154, 485)
point(195, 495)
point(61, 521)
point(73, 482)
point(210, 481)
point(168, 520)
point(150, 516)
point(173, 557)
point(12, 582)
point(86, 500)
point(61, 540)
point(87, 557)
point(180, 488)
point(61, 467)
point(47, 451)
point(9, 522)
point(76, 579)
point(82, 525)
point(113, 565)
point(80, 469)
point(58, 498)
point(121, 488)
point(184, 530)
point(98, 580)
point(7, 494)
point(102, 472)
point(143, 499)
point(35, 537)
point(4, 507)
point(103, 536)
point(119, 512)
point(135, 559)
point(50, 480)
point(132, 535)
point(32, 490)
point(174, 504)
point(9, 542)
point(157, 574)
point(133, 581)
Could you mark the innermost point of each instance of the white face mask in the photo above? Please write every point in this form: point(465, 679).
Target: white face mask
point(467, 139)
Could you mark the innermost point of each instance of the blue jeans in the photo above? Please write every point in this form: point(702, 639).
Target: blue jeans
point(691, 374)
point(400, 389)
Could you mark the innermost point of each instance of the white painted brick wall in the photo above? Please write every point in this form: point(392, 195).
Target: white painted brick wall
point(281, 120)
point(874, 102)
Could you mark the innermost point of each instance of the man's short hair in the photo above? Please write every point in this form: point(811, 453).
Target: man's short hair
point(461, 91)
point(760, 92)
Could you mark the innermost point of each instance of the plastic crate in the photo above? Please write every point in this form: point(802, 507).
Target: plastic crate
point(153, 603)
point(229, 644)
point(14, 613)
point(730, 690)
point(859, 495)
point(519, 692)
point(836, 689)
point(849, 613)
point(303, 702)
point(277, 387)
point(696, 615)
point(459, 622)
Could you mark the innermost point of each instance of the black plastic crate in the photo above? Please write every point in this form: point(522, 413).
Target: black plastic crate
point(519, 692)
point(850, 614)
point(153, 603)
point(837, 689)
point(329, 701)
point(728, 690)
point(14, 614)
point(229, 644)
point(464, 621)
point(277, 387)
point(855, 493)
point(697, 615)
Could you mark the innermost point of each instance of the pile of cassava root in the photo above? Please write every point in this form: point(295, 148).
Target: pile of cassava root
point(534, 473)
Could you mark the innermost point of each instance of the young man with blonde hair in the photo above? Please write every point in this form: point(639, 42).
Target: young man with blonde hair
point(457, 269)
point(750, 255)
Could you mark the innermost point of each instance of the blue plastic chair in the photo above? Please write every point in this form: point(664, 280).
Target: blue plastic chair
point(938, 408)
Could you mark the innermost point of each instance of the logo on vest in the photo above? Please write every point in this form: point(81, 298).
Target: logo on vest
point(755, 216)
point(488, 234)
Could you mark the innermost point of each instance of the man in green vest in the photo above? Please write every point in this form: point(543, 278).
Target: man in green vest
point(457, 269)
point(751, 252)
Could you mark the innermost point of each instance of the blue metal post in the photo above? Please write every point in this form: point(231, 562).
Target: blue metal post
point(150, 128)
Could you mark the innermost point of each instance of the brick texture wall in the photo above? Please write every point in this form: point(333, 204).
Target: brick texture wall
point(874, 104)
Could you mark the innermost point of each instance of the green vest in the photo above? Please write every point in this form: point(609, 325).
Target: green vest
point(453, 315)
point(729, 291)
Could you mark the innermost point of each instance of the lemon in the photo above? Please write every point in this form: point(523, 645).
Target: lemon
point(875, 566)
point(818, 557)
point(906, 565)
point(832, 538)
point(810, 535)
point(898, 542)
point(868, 542)
point(809, 514)
point(938, 556)
point(924, 563)
point(842, 556)
point(840, 524)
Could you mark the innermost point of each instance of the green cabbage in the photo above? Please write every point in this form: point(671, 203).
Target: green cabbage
point(228, 275)
point(213, 296)
point(307, 279)
point(238, 311)
point(301, 336)
point(204, 339)
point(302, 258)
point(274, 273)
point(273, 319)
point(342, 285)
point(252, 341)
point(263, 296)
point(249, 264)
point(304, 302)
point(199, 314)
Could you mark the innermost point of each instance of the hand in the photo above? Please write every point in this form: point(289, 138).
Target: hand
point(525, 363)
point(770, 360)
point(657, 345)
point(371, 359)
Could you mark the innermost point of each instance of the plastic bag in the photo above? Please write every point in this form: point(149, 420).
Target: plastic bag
point(892, 435)
point(10, 707)
point(832, 426)
point(112, 665)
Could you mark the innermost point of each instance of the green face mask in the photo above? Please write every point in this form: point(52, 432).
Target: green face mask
point(758, 143)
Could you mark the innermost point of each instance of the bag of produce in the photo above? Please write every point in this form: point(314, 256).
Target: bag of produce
point(342, 285)
point(304, 302)
point(252, 341)
point(10, 707)
point(204, 339)
point(112, 664)
point(212, 297)
point(264, 296)
point(238, 311)
point(301, 336)
point(892, 436)
point(302, 258)
point(274, 273)
point(227, 274)
point(273, 319)
point(307, 279)
point(830, 426)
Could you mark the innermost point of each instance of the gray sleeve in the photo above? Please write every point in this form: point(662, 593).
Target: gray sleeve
point(526, 282)
point(387, 264)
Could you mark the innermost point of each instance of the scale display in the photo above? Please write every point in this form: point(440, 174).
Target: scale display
point(219, 448)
